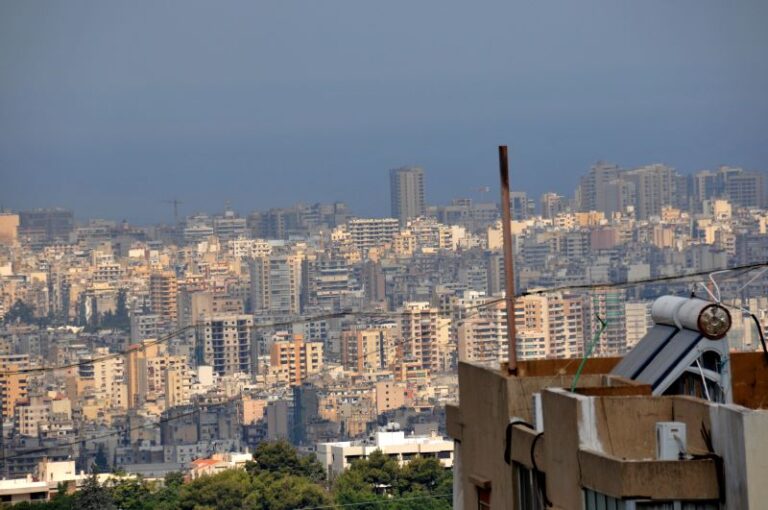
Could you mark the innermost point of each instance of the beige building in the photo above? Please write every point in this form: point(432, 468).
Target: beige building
point(30, 415)
point(251, 409)
point(296, 359)
point(163, 292)
point(109, 380)
point(422, 331)
point(9, 228)
point(548, 326)
point(276, 283)
point(196, 306)
point(227, 343)
point(136, 372)
point(178, 384)
point(599, 445)
point(369, 348)
point(391, 395)
point(14, 382)
point(637, 322)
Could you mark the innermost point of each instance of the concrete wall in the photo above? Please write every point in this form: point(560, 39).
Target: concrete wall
point(562, 413)
point(604, 423)
point(740, 436)
point(483, 421)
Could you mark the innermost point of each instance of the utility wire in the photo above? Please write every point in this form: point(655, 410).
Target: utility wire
point(384, 314)
point(642, 281)
point(371, 314)
point(176, 333)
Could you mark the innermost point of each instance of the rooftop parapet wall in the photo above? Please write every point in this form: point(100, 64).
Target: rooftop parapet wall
point(611, 421)
point(749, 374)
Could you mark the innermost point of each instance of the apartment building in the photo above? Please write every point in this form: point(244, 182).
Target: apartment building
point(30, 415)
point(229, 226)
point(368, 348)
point(41, 227)
point(14, 383)
point(144, 326)
point(109, 380)
point(406, 188)
point(422, 334)
point(295, 359)
point(391, 395)
point(9, 228)
point(226, 343)
point(367, 233)
point(276, 283)
point(608, 305)
point(336, 457)
point(547, 325)
point(163, 290)
point(637, 321)
point(136, 372)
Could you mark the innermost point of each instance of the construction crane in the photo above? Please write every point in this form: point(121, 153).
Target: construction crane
point(175, 202)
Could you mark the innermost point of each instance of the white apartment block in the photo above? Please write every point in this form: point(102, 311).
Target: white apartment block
point(336, 457)
point(248, 248)
point(369, 233)
point(276, 284)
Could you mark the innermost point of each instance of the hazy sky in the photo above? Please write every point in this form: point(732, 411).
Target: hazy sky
point(110, 108)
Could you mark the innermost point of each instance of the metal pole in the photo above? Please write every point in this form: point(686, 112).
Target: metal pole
point(2, 435)
point(509, 275)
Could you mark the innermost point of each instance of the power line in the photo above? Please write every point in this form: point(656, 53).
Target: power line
point(642, 281)
point(176, 333)
point(371, 314)
point(384, 314)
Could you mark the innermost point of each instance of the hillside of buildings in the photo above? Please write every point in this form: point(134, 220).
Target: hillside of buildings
point(150, 349)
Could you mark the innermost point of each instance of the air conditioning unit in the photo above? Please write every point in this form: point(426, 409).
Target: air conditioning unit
point(670, 440)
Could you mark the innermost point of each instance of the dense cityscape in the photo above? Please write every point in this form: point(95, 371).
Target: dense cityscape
point(182, 348)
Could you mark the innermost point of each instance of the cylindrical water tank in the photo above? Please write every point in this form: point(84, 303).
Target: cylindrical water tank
point(710, 319)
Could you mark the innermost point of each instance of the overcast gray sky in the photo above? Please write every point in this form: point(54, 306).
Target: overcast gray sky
point(111, 107)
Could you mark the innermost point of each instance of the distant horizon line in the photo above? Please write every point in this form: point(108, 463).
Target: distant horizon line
point(162, 222)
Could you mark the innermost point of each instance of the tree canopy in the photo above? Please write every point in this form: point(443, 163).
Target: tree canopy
point(278, 478)
point(20, 312)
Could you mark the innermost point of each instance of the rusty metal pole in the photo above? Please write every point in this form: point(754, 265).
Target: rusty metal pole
point(509, 275)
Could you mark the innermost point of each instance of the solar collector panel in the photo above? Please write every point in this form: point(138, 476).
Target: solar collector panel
point(646, 350)
point(669, 358)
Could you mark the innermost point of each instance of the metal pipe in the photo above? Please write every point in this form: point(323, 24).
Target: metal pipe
point(509, 275)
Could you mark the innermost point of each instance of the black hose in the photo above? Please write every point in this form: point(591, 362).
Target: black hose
point(760, 332)
point(508, 446)
point(541, 477)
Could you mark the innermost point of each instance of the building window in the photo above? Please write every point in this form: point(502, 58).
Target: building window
point(483, 498)
point(529, 494)
point(596, 501)
point(673, 505)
